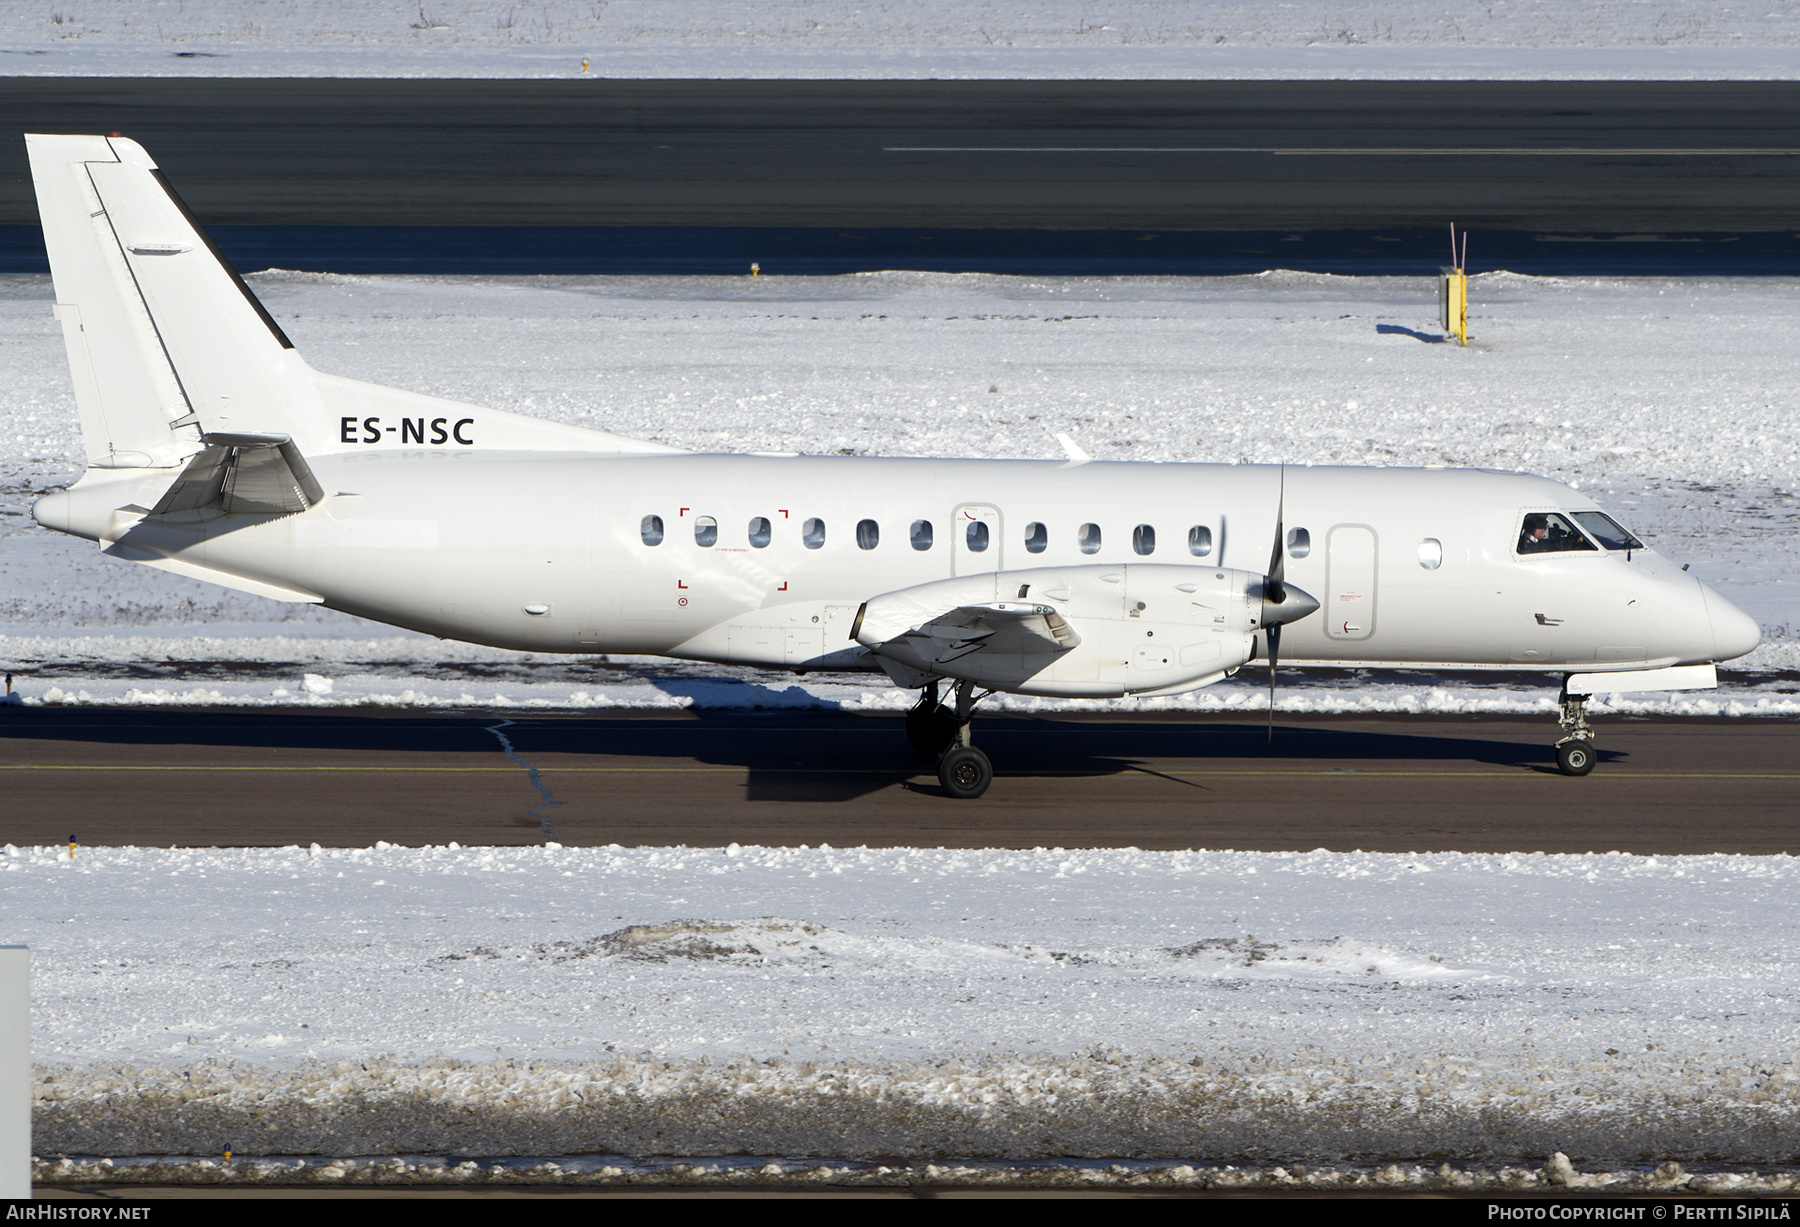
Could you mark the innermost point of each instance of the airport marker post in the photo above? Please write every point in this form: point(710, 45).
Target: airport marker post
point(1453, 290)
point(15, 1072)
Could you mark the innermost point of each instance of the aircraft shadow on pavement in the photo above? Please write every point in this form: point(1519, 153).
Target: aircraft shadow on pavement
point(814, 756)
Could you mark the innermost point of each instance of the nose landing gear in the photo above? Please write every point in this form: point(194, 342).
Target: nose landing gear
point(935, 728)
point(1575, 752)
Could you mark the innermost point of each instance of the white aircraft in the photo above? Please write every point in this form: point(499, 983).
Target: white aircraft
point(215, 452)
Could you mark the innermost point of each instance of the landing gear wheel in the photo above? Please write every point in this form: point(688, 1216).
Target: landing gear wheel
point(931, 730)
point(1575, 757)
point(965, 772)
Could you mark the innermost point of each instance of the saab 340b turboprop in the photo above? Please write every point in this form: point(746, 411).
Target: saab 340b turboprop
point(215, 452)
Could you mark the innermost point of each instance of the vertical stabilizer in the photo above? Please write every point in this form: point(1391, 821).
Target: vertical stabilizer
point(170, 351)
point(166, 342)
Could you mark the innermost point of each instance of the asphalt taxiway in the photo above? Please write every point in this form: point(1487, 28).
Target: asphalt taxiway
point(269, 777)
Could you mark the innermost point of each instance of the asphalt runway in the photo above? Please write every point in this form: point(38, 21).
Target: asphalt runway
point(1557, 156)
point(1383, 783)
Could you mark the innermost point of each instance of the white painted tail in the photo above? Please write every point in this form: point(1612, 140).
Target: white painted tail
point(168, 345)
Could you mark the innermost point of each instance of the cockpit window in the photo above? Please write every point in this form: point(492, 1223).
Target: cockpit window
point(1607, 532)
point(1546, 532)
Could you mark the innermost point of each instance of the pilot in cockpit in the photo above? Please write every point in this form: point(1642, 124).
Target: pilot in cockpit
point(1548, 533)
point(1534, 537)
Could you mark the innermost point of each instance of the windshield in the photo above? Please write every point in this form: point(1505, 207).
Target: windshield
point(1546, 532)
point(1607, 532)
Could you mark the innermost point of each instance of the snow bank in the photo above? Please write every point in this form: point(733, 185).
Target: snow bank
point(871, 1003)
point(620, 1171)
point(1100, 1105)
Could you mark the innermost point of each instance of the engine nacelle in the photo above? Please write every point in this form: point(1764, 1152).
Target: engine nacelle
point(1094, 631)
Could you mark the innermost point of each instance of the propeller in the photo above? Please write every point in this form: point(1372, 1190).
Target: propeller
point(1281, 602)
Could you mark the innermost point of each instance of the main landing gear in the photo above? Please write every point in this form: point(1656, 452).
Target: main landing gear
point(1575, 752)
point(936, 728)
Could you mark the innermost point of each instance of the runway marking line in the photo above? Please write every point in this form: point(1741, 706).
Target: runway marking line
point(1335, 771)
point(1383, 152)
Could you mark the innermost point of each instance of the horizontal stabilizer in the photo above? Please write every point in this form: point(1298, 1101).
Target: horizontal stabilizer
point(244, 474)
point(212, 575)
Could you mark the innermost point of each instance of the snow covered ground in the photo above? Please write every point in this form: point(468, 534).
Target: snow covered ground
point(1670, 400)
point(1046, 39)
point(908, 1004)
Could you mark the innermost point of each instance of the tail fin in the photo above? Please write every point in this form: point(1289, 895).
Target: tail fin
point(165, 340)
point(168, 346)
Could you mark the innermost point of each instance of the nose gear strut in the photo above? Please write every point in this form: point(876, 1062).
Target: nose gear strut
point(1575, 752)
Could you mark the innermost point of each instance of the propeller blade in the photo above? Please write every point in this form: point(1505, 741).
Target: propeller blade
point(1275, 593)
point(1275, 585)
point(1273, 630)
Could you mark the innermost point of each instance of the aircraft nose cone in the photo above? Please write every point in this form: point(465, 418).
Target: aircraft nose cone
point(1296, 604)
point(1734, 631)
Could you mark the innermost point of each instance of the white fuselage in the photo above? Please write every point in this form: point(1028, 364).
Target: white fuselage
point(547, 552)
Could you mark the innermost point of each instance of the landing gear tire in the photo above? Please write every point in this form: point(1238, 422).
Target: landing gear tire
point(931, 730)
point(965, 771)
point(1575, 757)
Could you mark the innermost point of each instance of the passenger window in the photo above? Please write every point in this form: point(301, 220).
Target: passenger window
point(812, 533)
point(868, 534)
point(1037, 538)
point(921, 534)
point(977, 536)
point(1299, 543)
point(1545, 532)
point(706, 532)
point(1143, 539)
point(1200, 541)
point(1606, 531)
point(760, 533)
point(1088, 538)
point(651, 530)
point(1431, 553)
